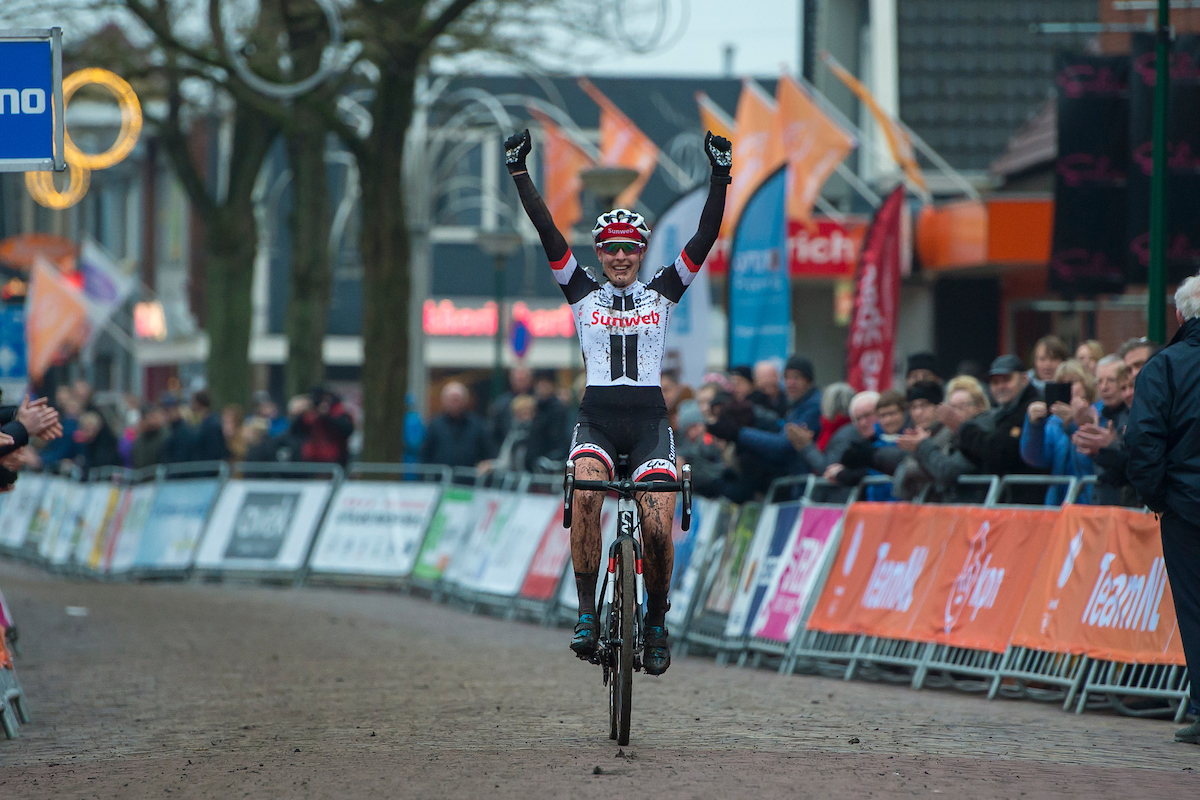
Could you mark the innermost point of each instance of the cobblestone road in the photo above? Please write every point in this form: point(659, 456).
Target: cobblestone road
point(187, 690)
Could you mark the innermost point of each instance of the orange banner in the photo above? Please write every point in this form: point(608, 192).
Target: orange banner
point(713, 117)
point(563, 160)
point(757, 151)
point(56, 318)
point(988, 564)
point(898, 140)
point(622, 144)
point(885, 566)
point(812, 143)
point(1102, 590)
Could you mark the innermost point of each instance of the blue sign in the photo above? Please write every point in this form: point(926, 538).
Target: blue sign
point(27, 100)
point(175, 523)
point(520, 337)
point(760, 307)
point(12, 343)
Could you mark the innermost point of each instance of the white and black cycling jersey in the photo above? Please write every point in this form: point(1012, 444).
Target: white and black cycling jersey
point(623, 332)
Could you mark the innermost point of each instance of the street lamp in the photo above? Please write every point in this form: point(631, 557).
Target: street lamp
point(605, 183)
point(500, 245)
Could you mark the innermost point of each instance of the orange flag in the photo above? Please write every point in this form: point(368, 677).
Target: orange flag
point(622, 144)
point(812, 143)
point(713, 117)
point(561, 184)
point(56, 317)
point(757, 150)
point(899, 142)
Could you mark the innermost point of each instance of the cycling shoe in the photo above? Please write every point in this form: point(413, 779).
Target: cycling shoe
point(656, 655)
point(584, 643)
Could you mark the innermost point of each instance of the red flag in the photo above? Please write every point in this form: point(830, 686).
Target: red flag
point(871, 345)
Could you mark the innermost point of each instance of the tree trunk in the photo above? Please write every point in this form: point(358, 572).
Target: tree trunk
point(232, 244)
point(308, 305)
point(386, 280)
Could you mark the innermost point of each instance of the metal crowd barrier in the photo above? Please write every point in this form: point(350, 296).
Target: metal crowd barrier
point(1077, 681)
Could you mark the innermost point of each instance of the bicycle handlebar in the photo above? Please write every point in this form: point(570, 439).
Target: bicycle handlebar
point(629, 486)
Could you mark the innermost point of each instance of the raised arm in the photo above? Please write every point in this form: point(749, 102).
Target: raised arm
point(720, 155)
point(516, 148)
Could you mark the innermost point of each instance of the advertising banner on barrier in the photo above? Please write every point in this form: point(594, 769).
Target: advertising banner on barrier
point(258, 525)
point(374, 528)
point(175, 523)
point(129, 522)
point(1101, 589)
point(98, 511)
point(23, 503)
point(61, 547)
point(553, 553)
point(737, 546)
point(984, 575)
point(884, 568)
point(774, 528)
point(568, 596)
point(795, 575)
point(690, 547)
point(451, 526)
point(501, 547)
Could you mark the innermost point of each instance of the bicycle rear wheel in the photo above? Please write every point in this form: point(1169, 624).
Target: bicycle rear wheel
point(625, 600)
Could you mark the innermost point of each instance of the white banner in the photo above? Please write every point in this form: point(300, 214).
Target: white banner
point(100, 502)
point(128, 526)
point(262, 525)
point(23, 503)
point(375, 528)
point(503, 542)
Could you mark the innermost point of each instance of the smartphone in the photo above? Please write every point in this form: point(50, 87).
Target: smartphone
point(1058, 392)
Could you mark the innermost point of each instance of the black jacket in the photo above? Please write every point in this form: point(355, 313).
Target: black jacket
point(992, 442)
point(462, 442)
point(549, 435)
point(1163, 433)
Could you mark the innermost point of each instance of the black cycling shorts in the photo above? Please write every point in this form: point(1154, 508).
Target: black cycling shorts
point(619, 422)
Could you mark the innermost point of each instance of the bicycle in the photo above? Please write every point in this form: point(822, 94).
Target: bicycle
point(619, 644)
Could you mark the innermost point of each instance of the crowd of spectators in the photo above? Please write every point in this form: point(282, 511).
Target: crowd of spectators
point(1062, 414)
point(316, 428)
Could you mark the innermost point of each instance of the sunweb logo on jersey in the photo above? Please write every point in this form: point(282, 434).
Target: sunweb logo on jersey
point(22, 101)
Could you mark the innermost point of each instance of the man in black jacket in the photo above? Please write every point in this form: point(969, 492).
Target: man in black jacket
point(992, 441)
point(1163, 440)
point(457, 437)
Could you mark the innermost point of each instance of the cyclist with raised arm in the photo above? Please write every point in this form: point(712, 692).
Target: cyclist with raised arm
point(622, 326)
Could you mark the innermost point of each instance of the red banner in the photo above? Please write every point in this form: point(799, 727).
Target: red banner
point(871, 345)
point(825, 248)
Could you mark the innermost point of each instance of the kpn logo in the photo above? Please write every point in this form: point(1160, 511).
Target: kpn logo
point(978, 582)
point(23, 101)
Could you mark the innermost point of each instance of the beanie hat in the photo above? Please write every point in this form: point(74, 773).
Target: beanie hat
point(925, 390)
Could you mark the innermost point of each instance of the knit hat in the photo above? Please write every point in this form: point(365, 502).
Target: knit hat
point(803, 366)
point(689, 415)
point(925, 390)
point(927, 361)
point(743, 370)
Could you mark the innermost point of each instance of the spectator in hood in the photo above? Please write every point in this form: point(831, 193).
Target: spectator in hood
point(209, 442)
point(922, 367)
point(323, 430)
point(697, 447)
point(97, 444)
point(1163, 437)
point(456, 437)
point(179, 443)
point(992, 441)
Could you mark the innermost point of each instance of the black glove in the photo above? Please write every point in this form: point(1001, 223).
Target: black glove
point(516, 148)
point(720, 155)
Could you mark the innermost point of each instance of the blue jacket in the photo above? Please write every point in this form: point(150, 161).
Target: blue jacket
point(773, 446)
point(881, 493)
point(1048, 444)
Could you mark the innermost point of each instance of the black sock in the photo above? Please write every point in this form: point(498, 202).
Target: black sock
point(585, 585)
point(656, 608)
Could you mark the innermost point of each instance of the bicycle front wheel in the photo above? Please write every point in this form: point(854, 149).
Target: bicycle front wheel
point(625, 602)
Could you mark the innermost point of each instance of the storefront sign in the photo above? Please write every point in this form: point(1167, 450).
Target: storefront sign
point(446, 318)
point(825, 249)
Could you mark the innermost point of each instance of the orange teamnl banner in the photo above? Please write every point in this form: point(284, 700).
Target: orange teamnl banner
point(1102, 590)
point(884, 568)
point(989, 561)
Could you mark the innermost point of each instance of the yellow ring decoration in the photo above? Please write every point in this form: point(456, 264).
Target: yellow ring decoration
point(41, 186)
point(131, 117)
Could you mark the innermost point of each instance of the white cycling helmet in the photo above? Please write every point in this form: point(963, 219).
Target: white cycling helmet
point(621, 225)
